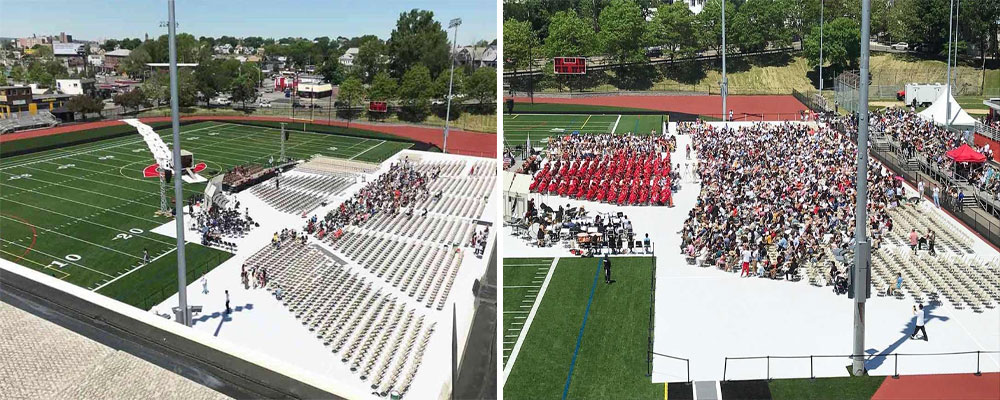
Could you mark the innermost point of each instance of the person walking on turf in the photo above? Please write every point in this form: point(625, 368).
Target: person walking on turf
point(607, 269)
point(919, 312)
point(228, 310)
point(145, 256)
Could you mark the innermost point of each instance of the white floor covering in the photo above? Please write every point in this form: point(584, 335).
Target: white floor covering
point(705, 315)
point(262, 324)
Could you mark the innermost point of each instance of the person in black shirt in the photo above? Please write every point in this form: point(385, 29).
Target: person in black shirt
point(607, 269)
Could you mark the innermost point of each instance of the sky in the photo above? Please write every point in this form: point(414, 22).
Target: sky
point(95, 20)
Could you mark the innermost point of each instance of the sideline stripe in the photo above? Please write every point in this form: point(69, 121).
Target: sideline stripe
point(579, 337)
point(615, 128)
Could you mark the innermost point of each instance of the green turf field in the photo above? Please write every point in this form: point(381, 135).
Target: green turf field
point(84, 213)
point(611, 360)
point(522, 278)
point(517, 128)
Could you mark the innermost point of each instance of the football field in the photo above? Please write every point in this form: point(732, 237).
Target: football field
point(517, 128)
point(587, 339)
point(84, 213)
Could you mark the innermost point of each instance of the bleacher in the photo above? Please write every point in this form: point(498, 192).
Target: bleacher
point(375, 333)
point(300, 193)
point(463, 188)
point(24, 121)
point(336, 166)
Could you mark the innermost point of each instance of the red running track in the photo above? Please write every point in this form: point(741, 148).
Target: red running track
point(946, 386)
point(459, 141)
point(777, 107)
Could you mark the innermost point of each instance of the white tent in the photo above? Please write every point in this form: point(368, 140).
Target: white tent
point(938, 111)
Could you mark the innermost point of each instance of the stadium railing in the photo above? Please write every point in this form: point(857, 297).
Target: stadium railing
point(193, 274)
point(811, 357)
point(987, 131)
point(687, 363)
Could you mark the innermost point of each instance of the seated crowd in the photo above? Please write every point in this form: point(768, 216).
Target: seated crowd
point(620, 169)
point(400, 187)
point(775, 197)
point(241, 174)
point(586, 235)
point(218, 223)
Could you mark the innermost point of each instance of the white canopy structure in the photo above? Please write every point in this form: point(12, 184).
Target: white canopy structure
point(938, 112)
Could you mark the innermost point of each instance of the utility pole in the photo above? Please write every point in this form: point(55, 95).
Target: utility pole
point(447, 113)
point(725, 81)
point(947, 118)
point(862, 254)
point(178, 182)
point(821, 4)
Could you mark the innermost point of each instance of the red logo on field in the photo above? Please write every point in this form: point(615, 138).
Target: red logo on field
point(153, 171)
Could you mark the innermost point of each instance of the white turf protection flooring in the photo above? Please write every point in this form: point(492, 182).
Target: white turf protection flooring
point(705, 315)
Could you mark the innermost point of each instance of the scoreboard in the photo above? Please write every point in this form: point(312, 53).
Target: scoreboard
point(570, 65)
point(378, 106)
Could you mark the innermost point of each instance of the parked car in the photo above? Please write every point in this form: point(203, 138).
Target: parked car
point(900, 46)
point(264, 104)
point(655, 51)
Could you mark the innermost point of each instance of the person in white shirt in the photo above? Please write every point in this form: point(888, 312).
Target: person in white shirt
point(919, 312)
point(746, 255)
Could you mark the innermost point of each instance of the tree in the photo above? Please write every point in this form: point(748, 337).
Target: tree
point(350, 94)
point(482, 85)
point(569, 35)
point(133, 99)
point(383, 87)
point(370, 59)
point(415, 92)
point(109, 45)
point(418, 39)
point(710, 26)
point(85, 105)
point(758, 23)
point(623, 29)
point(3, 79)
point(440, 87)
point(244, 90)
point(253, 41)
point(210, 80)
point(673, 28)
point(332, 71)
point(18, 74)
point(518, 40)
point(841, 44)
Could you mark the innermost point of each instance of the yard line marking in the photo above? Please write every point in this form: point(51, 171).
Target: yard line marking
point(34, 250)
point(88, 151)
point(516, 287)
point(586, 121)
point(84, 178)
point(90, 205)
point(120, 275)
point(366, 150)
point(615, 128)
point(527, 324)
point(76, 238)
point(89, 222)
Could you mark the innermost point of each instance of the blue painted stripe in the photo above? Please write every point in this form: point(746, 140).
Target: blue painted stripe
point(579, 337)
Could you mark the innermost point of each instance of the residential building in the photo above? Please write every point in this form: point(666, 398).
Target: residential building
point(76, 86)
point(477, 56)
point(14, 98)
point(348, 58)
point(113, 58)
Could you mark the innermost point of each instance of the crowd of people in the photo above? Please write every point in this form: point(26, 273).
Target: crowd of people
point(396, 190)
point(619, 169)
point(215, 224)
point(545, 226)
point(478, 241)
point(241, 174)
point(787, 186)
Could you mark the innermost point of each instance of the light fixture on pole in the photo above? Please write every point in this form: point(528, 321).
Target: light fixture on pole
point(447, 114)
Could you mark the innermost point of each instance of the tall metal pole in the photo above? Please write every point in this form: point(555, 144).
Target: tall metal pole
point(821, 3)
point(282, 142)
point(451, 80)
point(178, 182)
point(947, 118)
point(958, 9)
point(862, 254)
point(725, 80)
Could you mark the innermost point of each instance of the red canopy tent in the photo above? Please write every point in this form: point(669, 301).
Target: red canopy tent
point(965, 153)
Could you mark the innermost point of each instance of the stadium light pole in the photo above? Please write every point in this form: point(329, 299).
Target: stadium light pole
point(725, 81)
point(447, 113)
point(947, 117)
point(862, 254)
point(178, 189)
point(821, 3)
